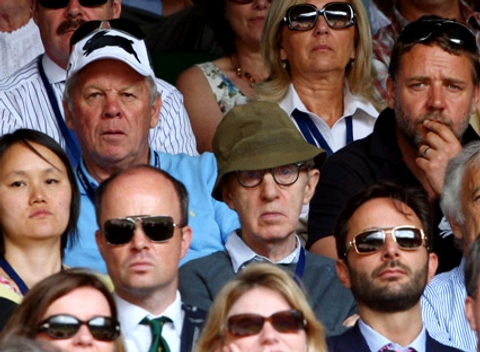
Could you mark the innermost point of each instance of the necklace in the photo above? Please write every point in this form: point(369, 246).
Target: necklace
point(241, 73)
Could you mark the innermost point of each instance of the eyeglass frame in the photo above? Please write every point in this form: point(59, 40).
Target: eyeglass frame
point(388, 230)
point(136, 220)
point(299, 166)
point(287, 20)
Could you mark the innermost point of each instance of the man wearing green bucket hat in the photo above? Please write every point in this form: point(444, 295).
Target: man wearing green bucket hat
point(266, 172)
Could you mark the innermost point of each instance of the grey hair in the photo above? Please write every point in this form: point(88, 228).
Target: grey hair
point(72, 82)
point(472, 268)
point(450, 201)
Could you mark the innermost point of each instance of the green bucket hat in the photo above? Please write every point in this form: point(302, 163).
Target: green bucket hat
point(259, 135)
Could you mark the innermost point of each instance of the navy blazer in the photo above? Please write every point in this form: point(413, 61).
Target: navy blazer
point(353, 341)
point(192, 325)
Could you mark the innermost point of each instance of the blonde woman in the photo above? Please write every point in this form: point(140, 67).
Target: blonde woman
point(262, 307)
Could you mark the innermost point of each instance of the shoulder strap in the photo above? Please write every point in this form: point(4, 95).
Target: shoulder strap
point(192, 325)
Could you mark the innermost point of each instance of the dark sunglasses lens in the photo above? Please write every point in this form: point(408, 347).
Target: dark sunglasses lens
point(302, 17)
point(288, 321)
point(103, 328)
point(62, 327)
point(54, 4)
point(338, 15)
point(158, 228)
point(408, 238)
point(369, 241)
point(245, 324)
point(118, 231)
point(59, 4)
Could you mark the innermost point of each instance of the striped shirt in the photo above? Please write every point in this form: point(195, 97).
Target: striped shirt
point(443, 310)
point(24, 103)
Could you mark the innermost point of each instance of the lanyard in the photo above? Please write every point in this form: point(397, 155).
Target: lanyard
point(73, 148)
point(13, 275)
point(90, 190)
point(312, 134)
point(300, 267)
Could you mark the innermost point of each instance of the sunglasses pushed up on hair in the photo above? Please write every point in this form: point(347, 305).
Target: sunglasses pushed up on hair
point(287, 321)
point(60, 4)
point(65, 326)
point(304, 17)
point(120, 231)
point(421, 30)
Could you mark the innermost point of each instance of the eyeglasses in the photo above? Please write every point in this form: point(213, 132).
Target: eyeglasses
point(287, 321)
point(157, 228)
point(243, 2)
point(285, 175)
point(119, 24)
point(406, 237)
point(304, 17)
point(422, 30)
point(64, 326)
point(59, 4)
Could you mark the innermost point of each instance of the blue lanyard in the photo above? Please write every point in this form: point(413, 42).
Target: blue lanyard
point(300, 267)
point(90, 190)
point(313, 135)
point(14, 276)
point(73, 148)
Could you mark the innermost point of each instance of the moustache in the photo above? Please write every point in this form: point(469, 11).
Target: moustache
point(391, 264)
point(435, 116)
point(69, 25)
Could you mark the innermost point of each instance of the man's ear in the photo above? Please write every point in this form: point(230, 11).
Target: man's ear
point(432, 266)
point(155, 111)
point(456, 228)
point(470, 312)
point(186, 240)
point(313, 178)
point(343, 273)
point(100, 242)
point(68, 116)
point(391, 93)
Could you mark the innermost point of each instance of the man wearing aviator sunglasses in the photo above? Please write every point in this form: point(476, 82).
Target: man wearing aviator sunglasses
point(266, 174)
point(382, 237)
point(32, 98)
point(143, 233)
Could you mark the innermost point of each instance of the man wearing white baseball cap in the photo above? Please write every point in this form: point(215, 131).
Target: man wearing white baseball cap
point(111, 103)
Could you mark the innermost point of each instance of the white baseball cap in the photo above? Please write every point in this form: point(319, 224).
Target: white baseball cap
point(105, 41)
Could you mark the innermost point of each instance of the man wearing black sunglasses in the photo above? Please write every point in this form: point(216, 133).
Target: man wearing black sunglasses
point(383, 238)
point(32, 97)
point(143, 233)
point(266, 174)
point(433, 88)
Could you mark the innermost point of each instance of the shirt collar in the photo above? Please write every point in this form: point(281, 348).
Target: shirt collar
point(130, 315)
point(351, 102)
point(240, 253)
point(375, 341)
point(54, 73)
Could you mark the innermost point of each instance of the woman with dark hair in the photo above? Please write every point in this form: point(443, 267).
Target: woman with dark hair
point(39, 206)
point(211, 89)
point(55, 311)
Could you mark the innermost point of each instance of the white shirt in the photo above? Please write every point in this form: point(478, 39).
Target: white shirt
point(19, 47)
point(363, 115)
point(138, 337)
point(24, 103)
point(375, 341)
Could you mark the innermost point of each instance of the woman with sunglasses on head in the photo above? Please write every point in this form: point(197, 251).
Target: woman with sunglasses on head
point(263, 307)
point(72, 310)
point(211, 89)
point(39, 206)
point(318, 56)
